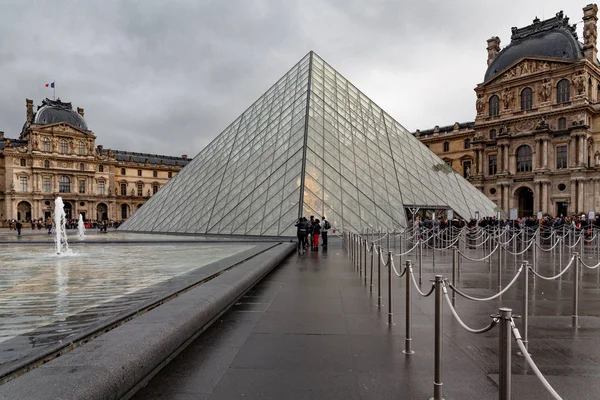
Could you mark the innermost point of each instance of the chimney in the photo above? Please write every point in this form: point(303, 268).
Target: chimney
point(493, 48)
point(80, 111)
point(29, 105)
point(184, 156)
point(590, 32)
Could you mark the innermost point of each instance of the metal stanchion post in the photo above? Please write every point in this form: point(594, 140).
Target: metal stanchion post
point(433, 250)
point(499, 265)
point(420, 261)
point(365, 260)
point(575, 316)
point(390, 313)
point(371, 285)
point(505, 353)
point(526, 304)
point(360, 250)
point(454, 272)
point(437, 374)
point(379, 276)
point(408, 336)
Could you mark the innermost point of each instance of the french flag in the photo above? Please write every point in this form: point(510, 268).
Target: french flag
point(50, 85)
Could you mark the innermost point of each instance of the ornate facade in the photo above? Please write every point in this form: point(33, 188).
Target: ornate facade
point(56, 155)
point(535, 141)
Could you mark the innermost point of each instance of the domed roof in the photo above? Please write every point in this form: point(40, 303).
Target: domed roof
point(54, 111)
point(552, 38)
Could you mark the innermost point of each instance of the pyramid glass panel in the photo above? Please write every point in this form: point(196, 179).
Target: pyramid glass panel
point(313, 144)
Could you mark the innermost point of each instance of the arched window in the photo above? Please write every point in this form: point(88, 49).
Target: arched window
point(64, 184)
point(492, 134)
point(494, 106)
point(23, 162)
point(46, 164)
point(446, 148)
point(467, 144)
point(46, 145)
point(563, 91)
point(562, 123)
point(526, 99)
point(524, 159)
point(64, 146)
point(81, 149)
point(81, 166)
point(101, 168)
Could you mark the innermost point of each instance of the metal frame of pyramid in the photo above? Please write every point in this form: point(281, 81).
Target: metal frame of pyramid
point(313, 144)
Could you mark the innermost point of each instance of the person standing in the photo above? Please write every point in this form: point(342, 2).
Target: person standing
point(316, 231)
point(301, 232)
point(325, 227)
point(311, 225)
point(19, 226)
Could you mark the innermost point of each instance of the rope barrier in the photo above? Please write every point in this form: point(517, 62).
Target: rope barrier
point(423, 294)
point(575, 244)
point(534, 367)
point(408, 251)
point(521, 252)
point(460, 321)
point(479, 259)
point(554, 277)
point(587, 266)
point(551, 248)
point(466, 296)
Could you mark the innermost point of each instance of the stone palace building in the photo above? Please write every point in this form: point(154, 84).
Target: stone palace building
point(535, 141)
point(56, 155)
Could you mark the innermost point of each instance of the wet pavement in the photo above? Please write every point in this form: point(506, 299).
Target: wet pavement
point(47, 298)
point(312, 330)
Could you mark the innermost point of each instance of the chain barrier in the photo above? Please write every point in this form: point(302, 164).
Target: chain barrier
point(466, 296)
point(479, 259)
point(534, 367)
point(551, 278)
point(460, 321)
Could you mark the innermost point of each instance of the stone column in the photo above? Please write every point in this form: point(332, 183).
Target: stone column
point(537, 194)
point(595, 204)
point(584, 150)
point(580, 196)
point(500, 158)
point(545, 154)
point(572, 151)
point(573, 201)
point(545, 197)
point(507, 198)
point(538, 155)
point(506, 164)
point(580, 140)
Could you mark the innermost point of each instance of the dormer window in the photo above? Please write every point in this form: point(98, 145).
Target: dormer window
point(494, 106)
point(526, 99)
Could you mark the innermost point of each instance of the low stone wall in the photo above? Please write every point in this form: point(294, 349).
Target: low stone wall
point(116, 364)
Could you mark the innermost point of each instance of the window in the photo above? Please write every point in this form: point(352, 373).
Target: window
point(123, 211)
point(46, 184)
point(101, 187)
point(446, 148)
point(81, 148)
point(524, 159)
point(170, 174)
point(562, 123)
point(64, 146)
point(23, 183)
point(494, 106)
point(493, 134)
point(492, 164)
point(154, 189)
point(563, 89)
point(23, 163)
point(64, 184)
point(82, 186)
point(155, 174)
point(81, 166)
point(46, 164)
point(526, 99)
point(100, 168)
point(139, 172)
point(467, 143)
point(466, 169)
point(561, 157)
point(46, 145)
point(122, 171)
point(123, 189)
point(140, 188)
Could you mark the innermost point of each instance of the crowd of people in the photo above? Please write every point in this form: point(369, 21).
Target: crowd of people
point(48, 224)
point(309, 231)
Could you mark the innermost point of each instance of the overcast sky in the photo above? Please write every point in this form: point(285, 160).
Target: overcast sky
point(168, 76)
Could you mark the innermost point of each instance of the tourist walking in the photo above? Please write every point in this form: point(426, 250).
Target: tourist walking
point(19, 225)
point(325, 227)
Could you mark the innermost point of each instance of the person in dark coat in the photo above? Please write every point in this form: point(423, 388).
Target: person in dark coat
point(316, 231)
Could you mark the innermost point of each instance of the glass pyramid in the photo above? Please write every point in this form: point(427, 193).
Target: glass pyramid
point(313, 144)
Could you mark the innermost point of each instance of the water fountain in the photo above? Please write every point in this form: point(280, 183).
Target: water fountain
point(59, 222)
point(80, 226)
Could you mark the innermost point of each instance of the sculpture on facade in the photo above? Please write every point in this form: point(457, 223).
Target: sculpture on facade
point(579, 83)
point(597, 158)
point(507, 98)
point(480, 104)
point(545, 90)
